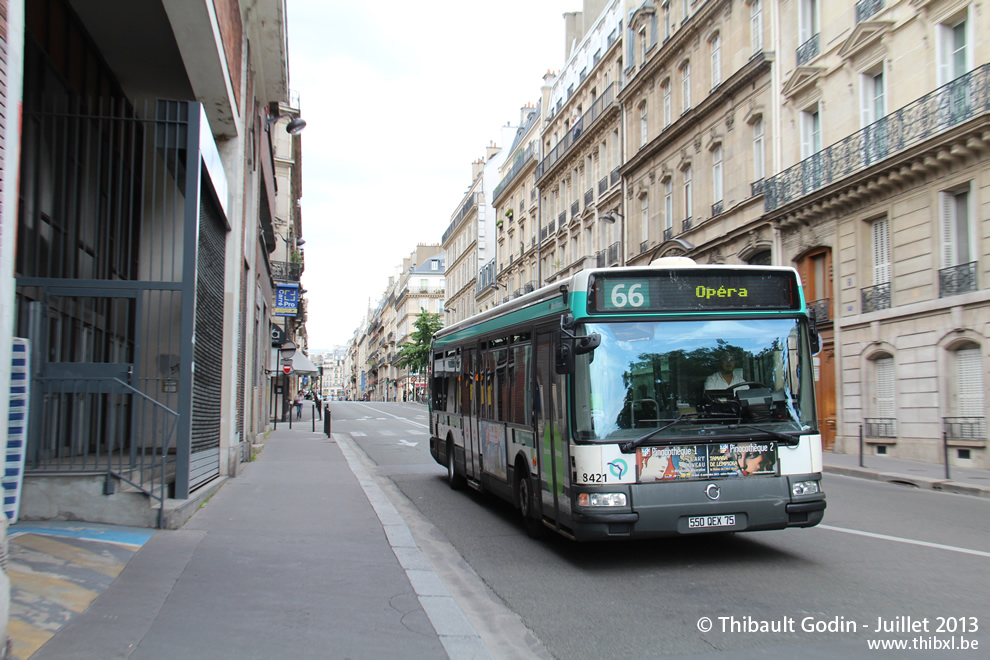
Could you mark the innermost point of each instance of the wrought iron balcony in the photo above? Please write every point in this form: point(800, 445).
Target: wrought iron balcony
point(587, 119)
point(717, 208)
point(876, 297)
point(950, 105)
point(957, 279)
point(823, 310)
point(518, 163)
point(965, 428)
point(808, 50)
point(287, 271)
point(562, 218)
point(756, 188)
point(644, 246)
point(543, 233)
point(552, 227)
point(668, 233)
point(589, 196)
point(686, 224)
point(866, 8)
point(600, 259)
point(613, 254)
point(614, 177)
point(575, 208)
point(603, 185)
point(880, 427)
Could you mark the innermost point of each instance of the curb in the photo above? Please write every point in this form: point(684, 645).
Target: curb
point(943, 485)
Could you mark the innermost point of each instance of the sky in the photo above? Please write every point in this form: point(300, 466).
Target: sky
point(399, 99)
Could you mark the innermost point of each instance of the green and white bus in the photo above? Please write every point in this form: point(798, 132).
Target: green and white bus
point(637, 402)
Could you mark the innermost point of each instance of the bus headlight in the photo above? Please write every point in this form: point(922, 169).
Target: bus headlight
point(602, 499)
point(804, 488)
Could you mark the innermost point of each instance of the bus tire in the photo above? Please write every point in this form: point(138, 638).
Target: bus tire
point(454, 480)
point(526, 502)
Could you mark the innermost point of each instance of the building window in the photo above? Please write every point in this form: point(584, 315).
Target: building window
point(956, 232)
point(642, 124)
point(811, 132)
point(760, 259)
point(644, 217)
point(665, 87)
point(952, 42)
point(666, 20)
point(685, 86)
point(716, 51)
point(756, 26)
point(687, 192)
point(668, 204)
point(758, 154)
point(873, 105)
point(717, 173)
point(881, 251)
point(969, 389)
point(808, 20)
point(885, 404)
point(642, 46)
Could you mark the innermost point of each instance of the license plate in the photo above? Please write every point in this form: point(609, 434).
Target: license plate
point(697, 522)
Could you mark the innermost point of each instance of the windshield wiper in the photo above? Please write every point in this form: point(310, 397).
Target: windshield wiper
point(786, 438)
point(630, 447)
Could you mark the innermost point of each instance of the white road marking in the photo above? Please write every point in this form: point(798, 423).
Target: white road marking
point(898, 539)
point(404, 419)
point(407, 443)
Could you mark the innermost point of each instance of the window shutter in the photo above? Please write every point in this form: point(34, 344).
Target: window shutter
point(756, 26)
point(946, 211)
point(881, 252)
point(866, 101)
point(970, 383)
point(885, 388)
point(943, 50)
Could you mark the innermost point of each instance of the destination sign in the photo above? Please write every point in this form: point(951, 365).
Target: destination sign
point(694, 290)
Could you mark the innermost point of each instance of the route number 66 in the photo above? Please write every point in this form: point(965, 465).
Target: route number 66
point(633, 297)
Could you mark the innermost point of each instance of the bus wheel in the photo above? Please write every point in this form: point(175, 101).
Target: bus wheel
point(454, 480)
point(526, 503)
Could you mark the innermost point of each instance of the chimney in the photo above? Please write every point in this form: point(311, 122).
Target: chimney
point(491, 150)
point(477, 167)
point(573, 31)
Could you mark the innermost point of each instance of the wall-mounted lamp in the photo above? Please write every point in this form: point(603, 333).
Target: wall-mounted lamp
point(450, 309)
point(611, 217)
point(300, 242)
point(294, 127)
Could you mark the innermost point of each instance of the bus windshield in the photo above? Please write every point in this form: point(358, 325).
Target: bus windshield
point(691, 380)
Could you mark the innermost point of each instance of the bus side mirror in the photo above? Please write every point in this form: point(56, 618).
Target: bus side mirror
point(568, 346)
point(816, 340)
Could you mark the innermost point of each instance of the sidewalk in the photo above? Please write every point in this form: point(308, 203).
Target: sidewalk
point(964, 481)
point(287, 560)
point(301, 556)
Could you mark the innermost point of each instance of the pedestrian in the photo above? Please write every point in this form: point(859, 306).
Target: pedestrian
point(299, 404)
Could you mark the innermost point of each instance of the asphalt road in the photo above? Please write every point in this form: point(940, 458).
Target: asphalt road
point(914, 562)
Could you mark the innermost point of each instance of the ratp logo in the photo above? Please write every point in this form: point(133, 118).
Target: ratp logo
point(618, 468)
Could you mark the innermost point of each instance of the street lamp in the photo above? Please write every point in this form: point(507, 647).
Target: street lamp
point(611, 217)
point(294, 127)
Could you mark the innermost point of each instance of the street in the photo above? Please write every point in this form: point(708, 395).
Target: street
point(889, 564)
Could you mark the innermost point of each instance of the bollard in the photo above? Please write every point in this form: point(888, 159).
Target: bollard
point(326, 420)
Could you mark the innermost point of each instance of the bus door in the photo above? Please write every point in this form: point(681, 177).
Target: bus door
point(469, 409)
point(551, 430)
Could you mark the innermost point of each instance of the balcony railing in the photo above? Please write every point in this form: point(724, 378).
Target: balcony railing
point(866, 8)
point(287, 271)
point(717, 208)
point(957, 279)
point(686, 224)
point(823, 310)
point(562, 218)
point(876, 297)
point(613, 254)
point(600, 259)
point(589, 196)
point(880, 427)
point(965, 428)
point(603, 185)
point(952, 104)
point(575, 208)
point(756, 188)
point(517, 165)
point(614, 177)
point(668, 233)
point(644, 246)
point(552, 227)
point(586, 120)
point(808, 50)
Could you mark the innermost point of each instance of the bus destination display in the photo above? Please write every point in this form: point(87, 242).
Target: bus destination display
point(694, 290)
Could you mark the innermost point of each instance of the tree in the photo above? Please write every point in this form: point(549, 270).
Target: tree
point(415, 355)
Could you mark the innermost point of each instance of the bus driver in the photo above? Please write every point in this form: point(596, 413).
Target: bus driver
point(726, 376)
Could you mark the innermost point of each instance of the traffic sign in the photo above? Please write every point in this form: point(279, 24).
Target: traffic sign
point(287, 368)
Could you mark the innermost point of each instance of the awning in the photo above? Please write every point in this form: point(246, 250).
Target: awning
point(301, 365)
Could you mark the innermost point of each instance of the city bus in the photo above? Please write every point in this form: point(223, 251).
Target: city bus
point(637, 402)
